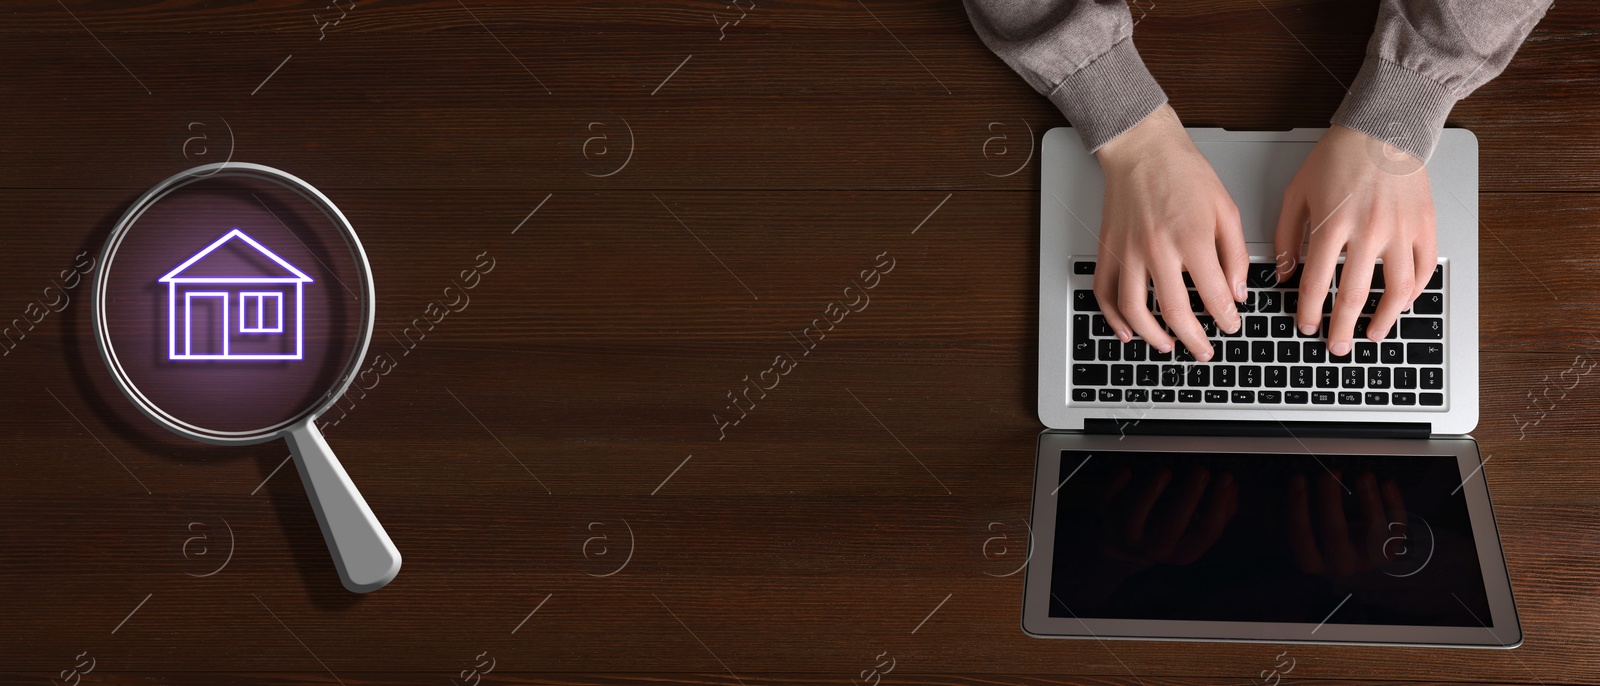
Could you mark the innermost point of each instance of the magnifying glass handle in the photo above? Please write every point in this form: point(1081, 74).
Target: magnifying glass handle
point(361, 549)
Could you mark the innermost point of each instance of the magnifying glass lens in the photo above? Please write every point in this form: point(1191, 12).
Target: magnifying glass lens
point(234, 305)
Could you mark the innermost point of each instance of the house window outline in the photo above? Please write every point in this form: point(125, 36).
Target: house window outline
point(261, 309)
point(175, 280)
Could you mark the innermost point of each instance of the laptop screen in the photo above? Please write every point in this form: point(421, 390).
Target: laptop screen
point(1321, 539)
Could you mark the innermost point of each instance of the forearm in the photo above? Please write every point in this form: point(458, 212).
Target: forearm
point(1424, 56)
point(1078, 53)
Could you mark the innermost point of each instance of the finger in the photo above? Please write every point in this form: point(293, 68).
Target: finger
point(1214, 290)
point(1316, 279)
point(1231, 251)
point(1291, 233)
point(1398, 291)
point(1393, 504)
point(1134, 528)
point(1372, 518)
point(1332, 529)
point(1426, 253)
point(1176, 520)
point(1174, 300)
point(1302, 542)
point(1221, 505)
point(1115, 487)
point(1354, 283)
point(1106, 282)
point(1132, 293)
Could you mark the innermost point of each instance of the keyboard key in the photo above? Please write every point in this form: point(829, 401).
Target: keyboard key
point(1188, 281)
point(1428, 303)
point(1288, 351)
point(1134, 350)
point(1404, 398)
point(1291, 283)
point(1249, 376)
point(1083, 301)
point(1111, 395)
point(1366, 352)
point(1255, 327)
point(1146, 375)
point(1315, 352)
point(1345, 397)
point(1432, 378)
point(1261, 275)
point(1425, 353)
point(1340, 359)
point(1291, 301)
point(1101, 328)
point(1322, 397)
point(1371, 305)
point(1261, 351)
point(1377, 276)
point(1377, 377)
point(1181, 352)
point(1158, 356)
point(1431, 328)
point(1083, 395)
point(1196, 305)
point(1224, 376)
point(1171, 375)
point(1163, 395)
point(1269, 396)
point(1216, 396)
point(1327, 308)
point(1277, 376)
point(1436, 282)
point(1083, 267)
point(1269, 301)
point(1188, 396)
point(1353, 377)
point(1137, 395)
point(1296, 397)
point(1392, 353)
point(1237, 351)
point(1361, 327)
point(1433, 399)
point(1083, 350)
point(1244, 396)
point(1283, 327)
point(1327, 377)
point(1110, 350)
point(1405, 377)
point(1122, 375)
point(1208, 324)
point(1090, 374)
point(1199, 376)
point(1300, 377)
point(1377, 398)
point(1249, 304)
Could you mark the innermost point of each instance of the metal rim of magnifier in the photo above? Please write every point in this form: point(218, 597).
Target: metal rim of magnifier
point(206, 172)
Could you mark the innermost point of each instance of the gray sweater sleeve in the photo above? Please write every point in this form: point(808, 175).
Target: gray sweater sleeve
point(1078, 53)
point(1423, 57)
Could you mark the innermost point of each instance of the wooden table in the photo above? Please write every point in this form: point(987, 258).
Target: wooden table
point(668, 197)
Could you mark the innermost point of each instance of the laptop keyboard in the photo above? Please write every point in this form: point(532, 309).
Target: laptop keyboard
point(1268, 361)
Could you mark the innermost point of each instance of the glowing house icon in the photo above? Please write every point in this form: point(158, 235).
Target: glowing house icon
point(235, 300)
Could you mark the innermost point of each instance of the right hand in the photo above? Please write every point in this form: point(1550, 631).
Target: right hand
point(1165, 212)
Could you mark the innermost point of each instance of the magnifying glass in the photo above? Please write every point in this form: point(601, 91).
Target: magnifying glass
point(234, 305)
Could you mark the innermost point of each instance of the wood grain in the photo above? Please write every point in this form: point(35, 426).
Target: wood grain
point(573, 398)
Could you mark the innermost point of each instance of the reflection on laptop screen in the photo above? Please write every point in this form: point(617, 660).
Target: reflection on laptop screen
point(1336, 539)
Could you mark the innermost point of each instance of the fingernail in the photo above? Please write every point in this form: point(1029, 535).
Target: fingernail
point(1203, 355)
point(1410, 304)
point(1238, 291)
point(1165, 347)
point(1373, 335)
point(1234, 328)
point(1124, 336)
point(1308, 329)
point(1341, 348)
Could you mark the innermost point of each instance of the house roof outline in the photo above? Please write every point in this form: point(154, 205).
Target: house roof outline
point(173, 276)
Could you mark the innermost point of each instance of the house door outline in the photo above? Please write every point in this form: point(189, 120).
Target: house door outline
point(188, 319)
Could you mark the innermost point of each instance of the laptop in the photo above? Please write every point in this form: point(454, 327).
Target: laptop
point(1277, 493)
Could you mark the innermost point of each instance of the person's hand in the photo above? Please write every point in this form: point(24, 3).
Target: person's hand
point(1323, 543)
point(1135, 531)
point(1165, 212)
point(1358, 195)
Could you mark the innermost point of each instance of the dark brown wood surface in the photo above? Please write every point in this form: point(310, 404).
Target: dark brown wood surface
point(564, 403)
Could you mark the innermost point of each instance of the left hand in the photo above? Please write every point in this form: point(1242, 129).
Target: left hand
point(1360, 196)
